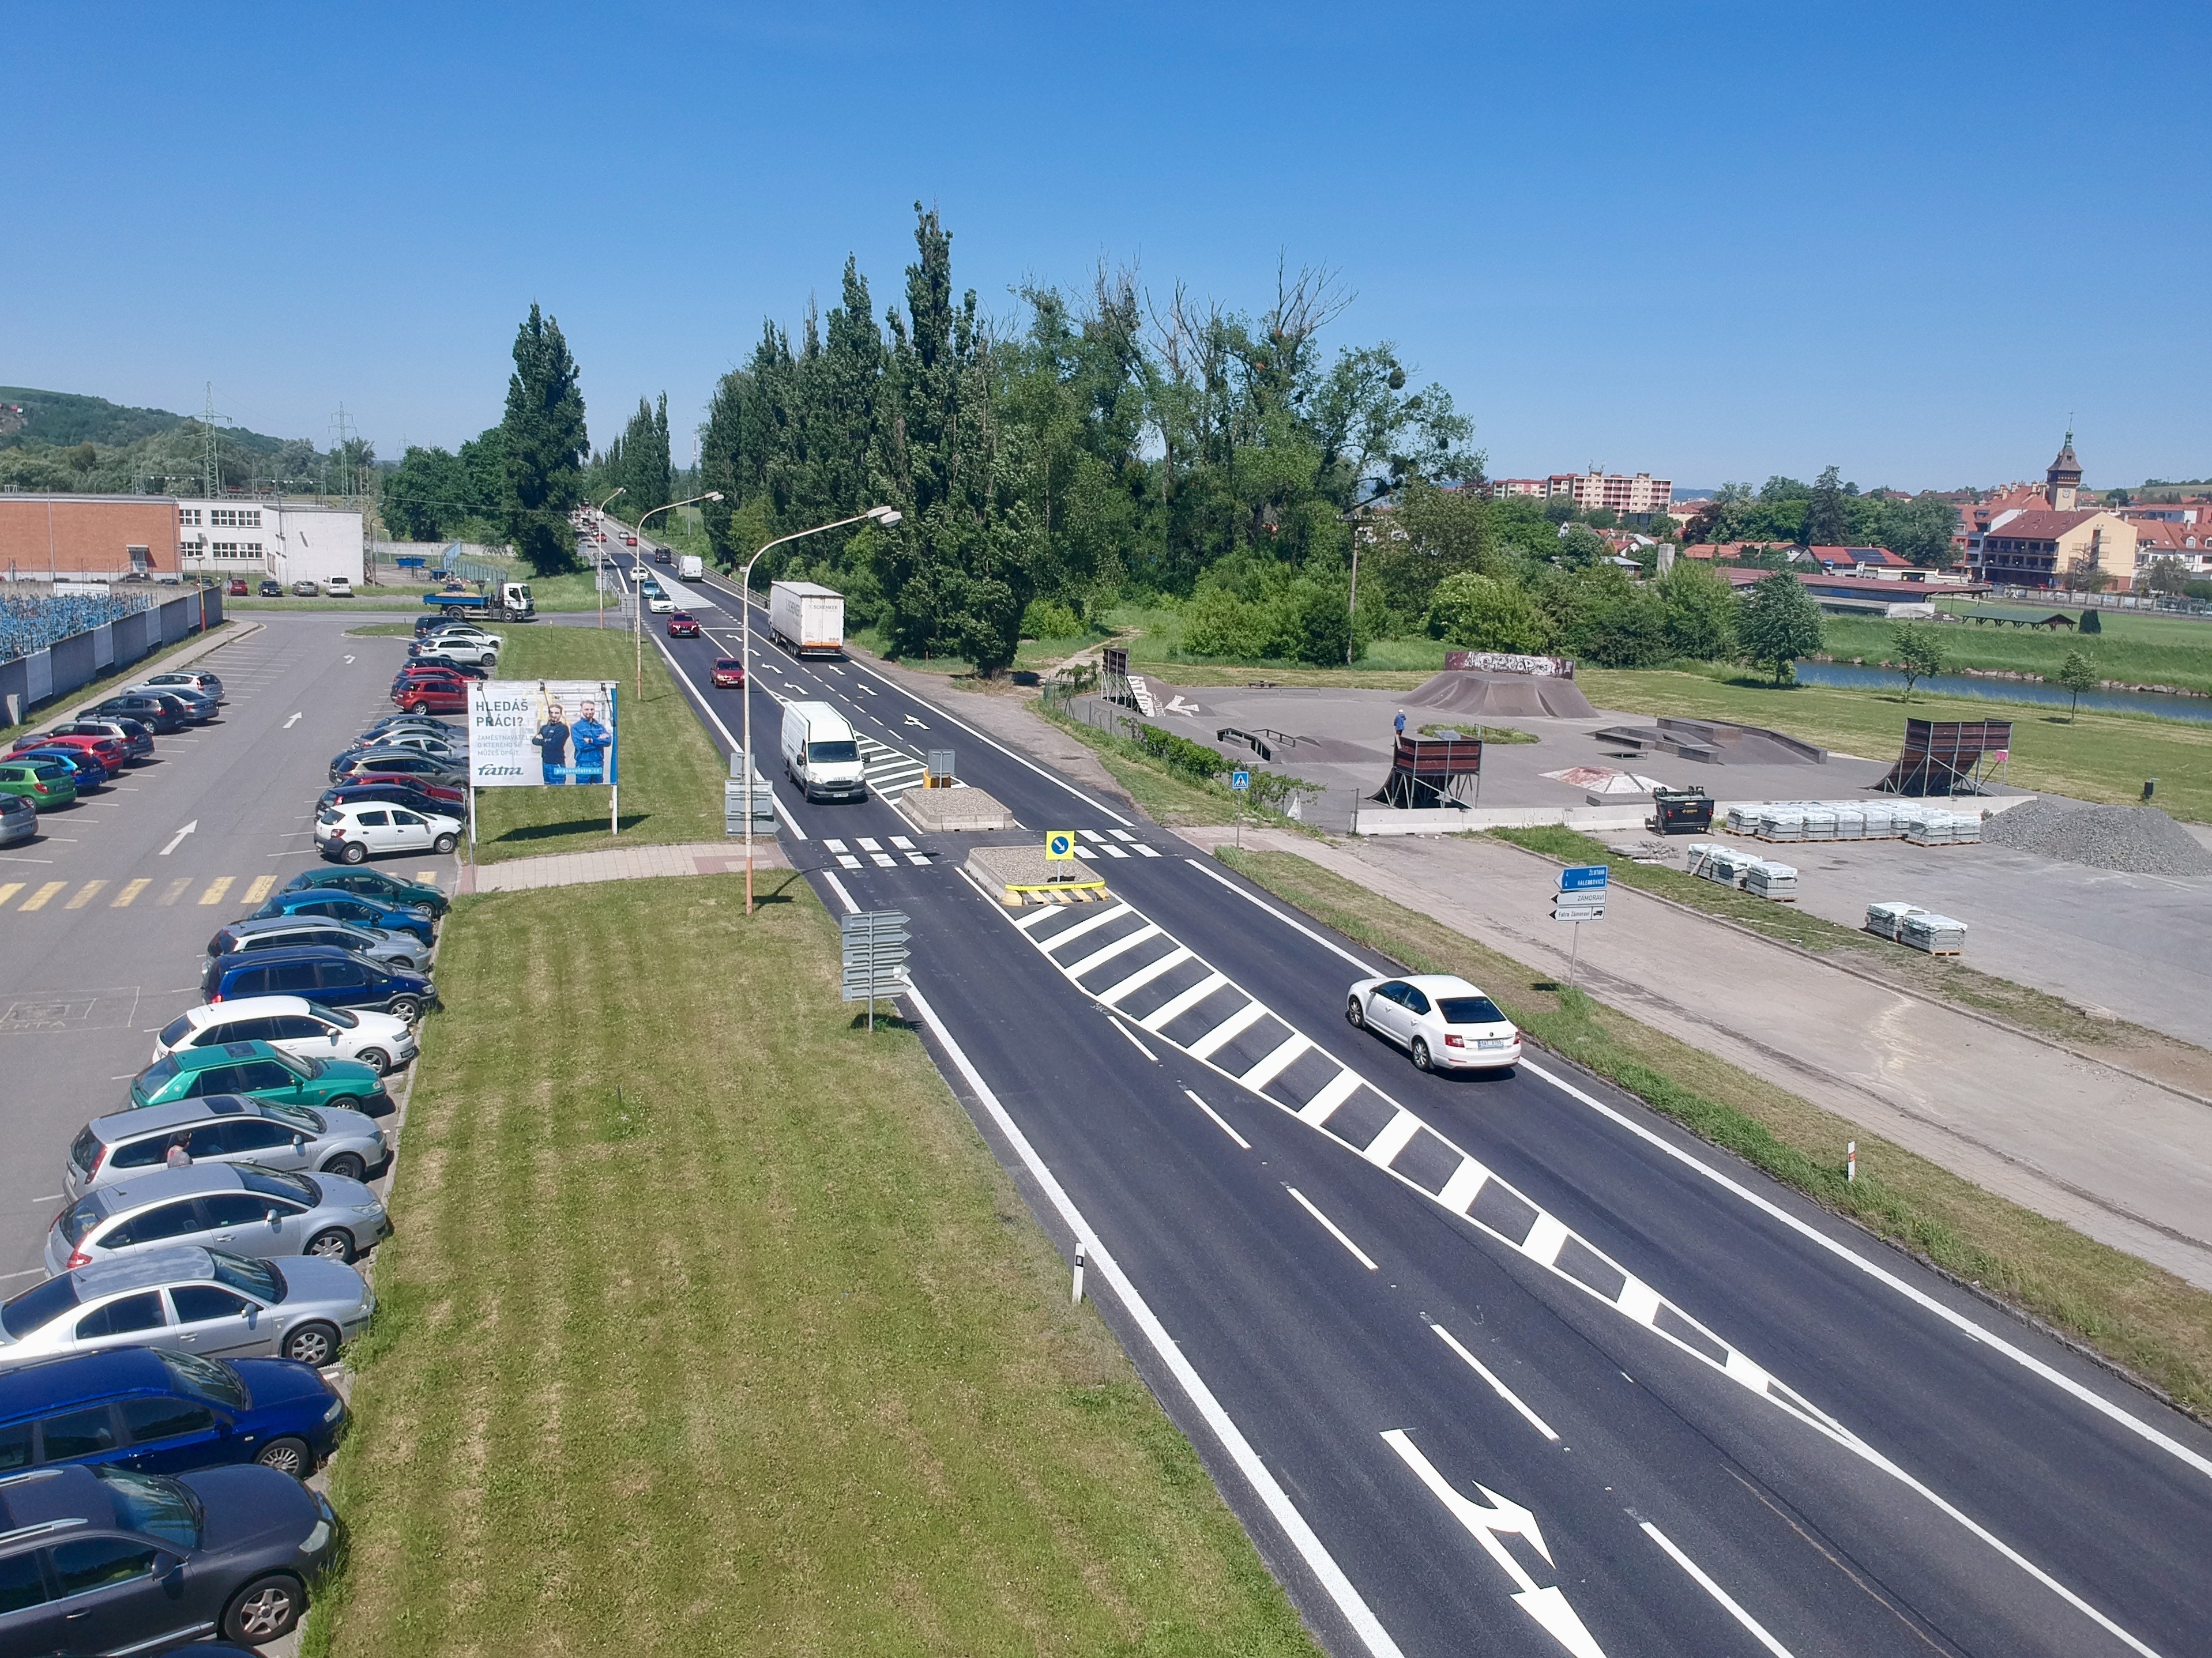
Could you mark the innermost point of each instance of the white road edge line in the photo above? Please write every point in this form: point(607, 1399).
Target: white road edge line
point(1221, 1123)
point(1334, 1230)
point(789, 822)
point(1111, 1020)
point(1338, 1587)
point(843, 897)
point(1365, 968)
point(1497, 1387)
point(1882, 1275)
point(1728, 1602)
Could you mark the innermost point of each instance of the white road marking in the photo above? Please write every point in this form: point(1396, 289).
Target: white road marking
point(884, 860)
point(1181, 1003)
point(1131, 1036)
point(1086, 855)
point(1091, 835)
point(1341, 1087)
point(1227, 1031)
point(846, 860)
point(1113, 850)
point(1272, 1065)
point(869, 845)
point(843, 897)
point(1089, 924)
point(1365, 968)
point(288, 724)
point(1498, 1387)
point(911, 721)
point(1334, 1230)
point(348, 659)
point(1144, 851)
point(902, 843)
point(833, 845)
point(1114, 994)
point(176, 838)
point(1220, 1121)
point(1123, 834)
point(1106, 953)
point(1728, 1602)
point(921, 858)
point(1490, 1526)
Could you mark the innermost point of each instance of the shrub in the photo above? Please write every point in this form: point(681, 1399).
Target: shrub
point(1179, 753)
point(1482, 613)
point(1047, 618)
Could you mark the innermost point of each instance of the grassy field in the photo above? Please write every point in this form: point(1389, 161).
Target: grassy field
point(2137, 650)
point(2138, 1315)
point(711, 1326)
point(2098, 756)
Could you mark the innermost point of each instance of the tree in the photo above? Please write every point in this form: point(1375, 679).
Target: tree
point(2077, 674)
point(544, 446)
point(1825, 523)
point(2091, 622)
point(1482, 613)
point(2168, 576)
point(1580, 546)
point(1698, 611)
point(1920, 529)
point(1779, 622)
point(2083, 577)
point(1919, 653)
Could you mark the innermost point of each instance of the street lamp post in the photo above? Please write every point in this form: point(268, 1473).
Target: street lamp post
point(598, 564)
point(637, 587)
point(886, 516)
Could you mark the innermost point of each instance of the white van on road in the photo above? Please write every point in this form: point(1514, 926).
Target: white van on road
point(822, 753)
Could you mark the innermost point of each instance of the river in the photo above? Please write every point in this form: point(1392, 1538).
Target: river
point(2166, 706)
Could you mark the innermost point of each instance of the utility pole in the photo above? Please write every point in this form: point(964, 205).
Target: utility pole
point(210, 450)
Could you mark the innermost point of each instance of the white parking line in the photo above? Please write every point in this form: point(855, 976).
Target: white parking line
point(1334, 1230)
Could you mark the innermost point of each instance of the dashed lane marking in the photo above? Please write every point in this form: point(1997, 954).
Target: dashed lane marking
point(218, 890)
point(39, 899)
point(122, 899)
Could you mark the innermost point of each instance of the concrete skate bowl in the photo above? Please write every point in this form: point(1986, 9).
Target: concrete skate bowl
point(1717, 742)
point(1507, 695)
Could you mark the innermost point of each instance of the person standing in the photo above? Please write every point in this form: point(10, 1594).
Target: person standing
point(1399, 725)
point(593, 741)
point(552, 744)
point(179, 1154)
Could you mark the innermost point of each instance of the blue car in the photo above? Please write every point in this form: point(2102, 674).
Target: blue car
point(160, 1412)
point(323, 974)
point(351, 907)
point(90, 774)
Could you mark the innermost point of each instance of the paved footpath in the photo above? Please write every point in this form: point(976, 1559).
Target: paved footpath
point(2124, 1161)
point(571, 869)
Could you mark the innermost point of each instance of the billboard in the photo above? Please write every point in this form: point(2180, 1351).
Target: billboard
point(540, 733)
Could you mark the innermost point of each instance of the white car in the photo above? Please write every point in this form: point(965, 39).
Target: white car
point(1443, 1020)
point(353, 833)
point(474, 650)
point(658, 602)
point(338, 587)
point(384, 1042)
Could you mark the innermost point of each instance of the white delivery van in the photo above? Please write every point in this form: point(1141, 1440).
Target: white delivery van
point(805, 619)
point(690, 567)
point(820, 754)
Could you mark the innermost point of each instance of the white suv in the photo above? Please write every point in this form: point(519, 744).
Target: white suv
point(353, 833)
point(338, 587)
point(384, 1042)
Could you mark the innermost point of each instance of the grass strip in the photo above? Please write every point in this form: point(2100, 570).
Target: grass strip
point(711, 1325)
point(2132, 649)
point(1170, 797)
point(2140, 1316)
point(48, 713)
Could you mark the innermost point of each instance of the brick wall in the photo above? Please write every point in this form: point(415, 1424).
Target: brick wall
point(87, 537)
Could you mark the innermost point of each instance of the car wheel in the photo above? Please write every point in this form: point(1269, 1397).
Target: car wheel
point(1420, 1055)
point(445, 843)
point(405, 1007)
point(355, 852)
point(346, 1166)
point(315, 1344)
point(287, 1455)
point(343, 1103)
point(375, 1059)
point(1354, 1015)
point(337, 1244)
point(263, 1611)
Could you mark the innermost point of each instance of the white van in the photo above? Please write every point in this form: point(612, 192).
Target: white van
point(820, 754)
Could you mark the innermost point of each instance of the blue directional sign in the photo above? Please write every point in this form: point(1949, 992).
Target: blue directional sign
point(1582, 877)
point(1240, 780)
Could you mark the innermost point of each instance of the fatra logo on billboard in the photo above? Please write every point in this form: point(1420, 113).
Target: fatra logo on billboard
point(541, 733)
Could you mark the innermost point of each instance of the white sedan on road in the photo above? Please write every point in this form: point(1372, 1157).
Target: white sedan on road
point(1443, 1020)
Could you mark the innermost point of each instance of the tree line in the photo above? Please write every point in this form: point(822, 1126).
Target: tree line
point(1828, 512)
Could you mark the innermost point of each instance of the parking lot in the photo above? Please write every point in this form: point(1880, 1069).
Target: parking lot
point(104, 919)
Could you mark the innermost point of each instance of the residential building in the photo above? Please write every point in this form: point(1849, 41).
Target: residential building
point(2177, 541)
point(1497, 489)
point(1850, 595)
point(2039, 542)
point(1637, 496)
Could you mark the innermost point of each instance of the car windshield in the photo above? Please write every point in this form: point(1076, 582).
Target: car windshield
point(1470, 1010)
point(81, 1216)
point(297, 1067)
point(158, 1508)
point(34, 1309)
point(157, 1073)
point(294, 1117)
point(337, 1016)
point(274, 1183)
point(175, 1031)
point(255, 1278)
point(204, 1378)
point(832, 753)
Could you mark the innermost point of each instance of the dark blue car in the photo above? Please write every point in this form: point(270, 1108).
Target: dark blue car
point(354, 907)
point(89, 773)
point(321, 973)
point(167, 1412)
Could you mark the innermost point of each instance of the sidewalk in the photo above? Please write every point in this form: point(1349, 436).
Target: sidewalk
point(2125, 1162)
point(571, 869)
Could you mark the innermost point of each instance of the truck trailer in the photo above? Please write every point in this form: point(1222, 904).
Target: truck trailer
point(807, 620)
point(509, 602)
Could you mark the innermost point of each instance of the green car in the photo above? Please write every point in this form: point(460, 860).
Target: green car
point(372, 883)
point(259, 1070)
point(44, 783)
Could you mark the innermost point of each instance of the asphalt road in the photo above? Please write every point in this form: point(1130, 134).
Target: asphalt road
point(1634, 1399)
point(105, 919)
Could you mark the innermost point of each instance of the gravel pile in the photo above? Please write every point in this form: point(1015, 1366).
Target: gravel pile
point(2140, 840)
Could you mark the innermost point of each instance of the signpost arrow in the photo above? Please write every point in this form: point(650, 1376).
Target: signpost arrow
point(1564, 911)
point(178, 836)
point(1582, 877)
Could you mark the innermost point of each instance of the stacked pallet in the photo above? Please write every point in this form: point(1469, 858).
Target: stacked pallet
point(1791, 821)
point(1767, 880)
point(1885, 919)
point(1939, 935)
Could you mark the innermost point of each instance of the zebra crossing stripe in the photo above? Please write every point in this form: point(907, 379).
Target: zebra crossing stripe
point(1121, 834)
point(1341, 1087)
point(1113, 850)
point(1177, 1006)
point(1089, 924)
point(1273, 1064)
point(1144, 851)
point(1106, 953)
point(84, 895)
point(1227, 1031)
point(846, 860)
point(1397, 1134)
point(1086, 855)
point(1136, 981)
point(122, 900)
point(39, 899)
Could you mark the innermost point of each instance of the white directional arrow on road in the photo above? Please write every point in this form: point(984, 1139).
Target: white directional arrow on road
point(348, 659)
point(179, 835)
point(293, 721)
point(1177, 705)
point(911, 721)
point(1491, 1526)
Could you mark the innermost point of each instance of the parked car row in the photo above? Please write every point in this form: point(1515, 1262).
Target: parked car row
point(401, 786)
point(44, 771)
point(447, 654)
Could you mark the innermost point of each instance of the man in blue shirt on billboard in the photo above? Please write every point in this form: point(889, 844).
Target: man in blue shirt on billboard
point(593, 740)
point(552, 742)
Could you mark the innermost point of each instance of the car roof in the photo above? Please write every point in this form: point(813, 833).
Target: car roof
point(1441, 984)
point(162, 1185)
point(200, 1059)
point(144, 1269)
point(289, 954)
point(69, 1379)
point(175, 1114)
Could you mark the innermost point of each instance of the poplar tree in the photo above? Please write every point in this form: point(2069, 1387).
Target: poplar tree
point(544, 448)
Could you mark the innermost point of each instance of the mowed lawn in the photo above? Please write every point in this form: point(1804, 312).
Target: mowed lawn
point(711, 1326)
point(2136, 649)
point(672, 787)
point(2098, 756)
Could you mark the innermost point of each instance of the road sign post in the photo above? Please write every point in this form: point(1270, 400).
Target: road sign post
point(873, 944)
point(1579, 896)
point(1240, 784)
point(1059, 854)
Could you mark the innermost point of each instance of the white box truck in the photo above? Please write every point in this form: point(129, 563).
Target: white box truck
point(806, 619)
point(821, 753)
point(689, 567)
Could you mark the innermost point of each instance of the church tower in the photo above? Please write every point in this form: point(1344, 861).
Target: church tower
point(2064, 478)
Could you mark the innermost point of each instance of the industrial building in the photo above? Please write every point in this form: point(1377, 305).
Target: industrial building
point(166, 538)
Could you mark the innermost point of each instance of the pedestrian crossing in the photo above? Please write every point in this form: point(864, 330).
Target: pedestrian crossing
point(149, 892)
point(889, 772)
point(1090, 844)
point(875, 852)
point(1140, 973)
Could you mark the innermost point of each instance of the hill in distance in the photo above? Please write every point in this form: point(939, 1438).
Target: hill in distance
point(29, 418)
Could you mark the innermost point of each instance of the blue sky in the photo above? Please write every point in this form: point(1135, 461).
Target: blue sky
point(1711, 241)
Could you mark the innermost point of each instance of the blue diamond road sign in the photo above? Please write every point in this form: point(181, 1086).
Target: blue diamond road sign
point(1582, 877)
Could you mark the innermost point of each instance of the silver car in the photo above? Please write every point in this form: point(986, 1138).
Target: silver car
point(237, 1206)
point(223, 1128)
point(289, 932)
point(199, 1300)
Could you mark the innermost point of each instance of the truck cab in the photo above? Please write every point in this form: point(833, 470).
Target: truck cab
point(822, 753)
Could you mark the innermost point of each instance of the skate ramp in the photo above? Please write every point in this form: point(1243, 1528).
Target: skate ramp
point(1507, 695)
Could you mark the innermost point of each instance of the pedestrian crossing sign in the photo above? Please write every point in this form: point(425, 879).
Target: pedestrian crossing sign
point(1059, 846)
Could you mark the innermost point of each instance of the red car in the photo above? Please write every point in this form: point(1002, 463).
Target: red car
point(682, 625)
point(431, 697)
point(403, 780)
point(729, 673)
point(630, 541)
point(110, 754)
point(237, 588)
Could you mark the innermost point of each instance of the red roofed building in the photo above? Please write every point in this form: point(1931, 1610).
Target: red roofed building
point(2037, 544)
point(2186, 544)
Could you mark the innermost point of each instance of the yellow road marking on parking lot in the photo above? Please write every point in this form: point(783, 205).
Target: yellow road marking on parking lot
point(84, 895)
point(130, 889)
point(216, 887)
point(176, 889)
point(9, 890)
point(37, 900)
point(428, 877)
point(260, 888)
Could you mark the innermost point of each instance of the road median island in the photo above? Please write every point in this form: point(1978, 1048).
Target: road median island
point(2138, 1317)
point(712, 1325)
